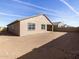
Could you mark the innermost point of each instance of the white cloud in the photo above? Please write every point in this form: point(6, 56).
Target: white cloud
point(33, 5)
point(44, 10)
point(6, 14)
point(71, 8)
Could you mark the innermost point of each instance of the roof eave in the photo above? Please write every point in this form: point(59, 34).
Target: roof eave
point(13, 22)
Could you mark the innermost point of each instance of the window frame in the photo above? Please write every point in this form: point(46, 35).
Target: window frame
point(31, 26)
point(43, 26)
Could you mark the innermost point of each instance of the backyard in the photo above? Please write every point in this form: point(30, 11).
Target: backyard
point(63, 47)
point(12, 47)
point(52, 45)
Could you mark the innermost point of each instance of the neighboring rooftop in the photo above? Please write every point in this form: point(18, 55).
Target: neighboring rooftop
point(56, 23)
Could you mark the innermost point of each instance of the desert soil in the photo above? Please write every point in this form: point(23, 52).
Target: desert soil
point(12, 47)
point(62, 47)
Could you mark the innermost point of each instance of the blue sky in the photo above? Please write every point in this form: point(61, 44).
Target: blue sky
point(66, 11)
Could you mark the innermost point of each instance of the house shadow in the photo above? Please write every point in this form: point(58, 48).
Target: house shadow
point(4, 32)
point(64, 47)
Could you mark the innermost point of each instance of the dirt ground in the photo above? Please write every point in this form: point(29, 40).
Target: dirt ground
point(12, 47)
point(63, 47)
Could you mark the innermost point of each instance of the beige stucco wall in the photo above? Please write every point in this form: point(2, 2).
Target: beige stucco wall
point(14, 28)
point(38, 21)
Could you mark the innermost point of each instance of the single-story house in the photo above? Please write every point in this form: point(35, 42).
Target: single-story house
point(31, 25)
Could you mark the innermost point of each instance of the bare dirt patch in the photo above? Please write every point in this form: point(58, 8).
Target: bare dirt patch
point(12, 47)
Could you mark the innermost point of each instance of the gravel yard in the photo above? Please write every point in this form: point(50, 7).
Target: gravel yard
point(64, 47)
point(52, 45)
point(12, 47)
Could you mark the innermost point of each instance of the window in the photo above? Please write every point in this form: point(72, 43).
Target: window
point(43, 26)
point(31, 26)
